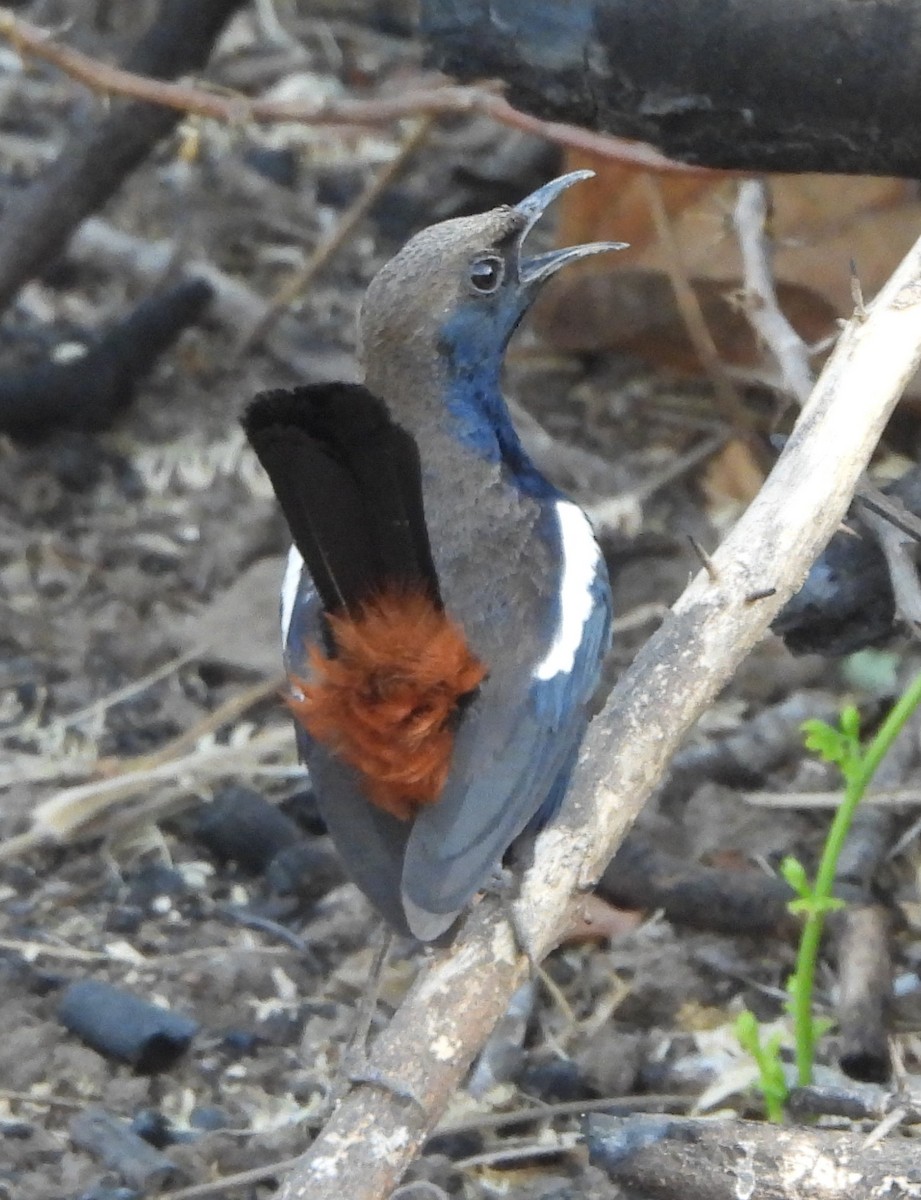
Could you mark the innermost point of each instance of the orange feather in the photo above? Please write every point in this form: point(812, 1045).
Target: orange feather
point(385, 702)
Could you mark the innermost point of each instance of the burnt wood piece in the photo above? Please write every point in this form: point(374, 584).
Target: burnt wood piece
point(864, 991)
point(116, 1144)
point(37, 221)
point(89, 392)
point(847, 600)
point(242, 826)
point(698, 897)
point(819, 85)
point(859, 1102)
point(306, 870)
point(122, 1026)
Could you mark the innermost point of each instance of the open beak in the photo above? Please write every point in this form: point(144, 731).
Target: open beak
point(534, 270)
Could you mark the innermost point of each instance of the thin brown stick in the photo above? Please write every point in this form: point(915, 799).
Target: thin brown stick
point(457, 999)
point(94, 161)
point(101, 77)
point(216, 1187)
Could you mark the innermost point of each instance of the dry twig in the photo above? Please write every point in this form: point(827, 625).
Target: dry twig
point(864, 991)
point(760, 296)
point(75, 810)
point(792, 356)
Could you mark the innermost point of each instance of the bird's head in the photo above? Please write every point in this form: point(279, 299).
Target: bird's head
point(459, 289)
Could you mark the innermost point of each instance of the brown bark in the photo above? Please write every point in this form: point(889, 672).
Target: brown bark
point(666, 1158)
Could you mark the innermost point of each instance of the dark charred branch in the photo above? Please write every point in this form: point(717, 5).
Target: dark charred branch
point(37, 222)
point(847, 601)
point(88, 393)
point(862, 932)
point(820, 85)
point(123, 1151)
point(124, 1027)
point(864, 991)
point(699, 897)
point(861, 1102)
point(240, 825)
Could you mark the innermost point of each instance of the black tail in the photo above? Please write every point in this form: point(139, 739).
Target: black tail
point(347, 478)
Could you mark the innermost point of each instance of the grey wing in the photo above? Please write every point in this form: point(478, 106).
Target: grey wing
point(515, 744)
point(370, 842)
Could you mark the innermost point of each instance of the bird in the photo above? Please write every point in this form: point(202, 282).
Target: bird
point(445, 609)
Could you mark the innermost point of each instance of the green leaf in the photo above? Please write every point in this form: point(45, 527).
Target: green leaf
point(821, 1026)
point(825, 740)
point(772, 1083)
point(850, 723)
point(794, 873)
point(746, 1031)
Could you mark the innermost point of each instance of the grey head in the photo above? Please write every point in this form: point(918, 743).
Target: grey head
point(450, 300)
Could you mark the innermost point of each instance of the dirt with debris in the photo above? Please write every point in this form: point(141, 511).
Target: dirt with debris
point(138, 591)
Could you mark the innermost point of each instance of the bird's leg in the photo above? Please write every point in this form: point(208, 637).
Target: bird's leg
point(502, 884)
point(355, 1067)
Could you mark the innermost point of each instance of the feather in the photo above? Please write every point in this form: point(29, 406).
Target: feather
point(384, 691)
point(349, 483)
point(512, 755)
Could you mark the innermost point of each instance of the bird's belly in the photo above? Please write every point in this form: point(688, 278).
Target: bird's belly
point(498, 573)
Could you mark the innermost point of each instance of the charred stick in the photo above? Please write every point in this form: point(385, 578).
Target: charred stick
point(89, 392)
point(864, 989)
point(642, 876)
point(753, 87)
point(862, 931)
point(241, 825)
point(38, 221)
point(125, 1027)
point(122, 1150)
point(862, 1102)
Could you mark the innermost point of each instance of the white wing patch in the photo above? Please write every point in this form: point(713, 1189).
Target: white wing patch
point(290, 586)
point(581, 557)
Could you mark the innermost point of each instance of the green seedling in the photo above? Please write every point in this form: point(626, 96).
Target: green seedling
point(840, 745)
point(771, 1080)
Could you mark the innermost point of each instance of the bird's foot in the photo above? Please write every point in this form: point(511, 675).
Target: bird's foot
point(355, 1068)
point(503, 885)
point(359, 1071)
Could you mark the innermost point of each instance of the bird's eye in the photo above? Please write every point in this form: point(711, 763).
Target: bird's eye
point(486, 274)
